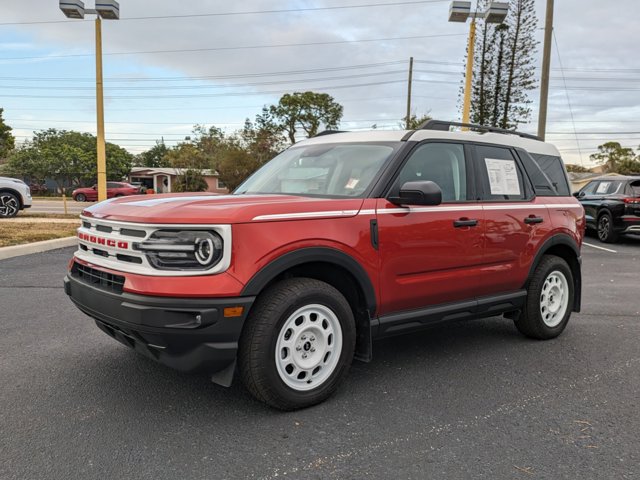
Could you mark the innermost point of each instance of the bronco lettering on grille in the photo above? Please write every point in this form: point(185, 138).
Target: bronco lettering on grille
point(103, 241)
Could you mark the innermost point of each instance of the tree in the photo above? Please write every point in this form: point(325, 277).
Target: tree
point(7, 141)
point(236, 165)
point(190, 180)
point(307, 111)
point(67, 157)
point(612, 155)
point(187, 155)
point(154, 157)
point(628, 166)
point(414, 122)
point(576, 168)
point(504, 67)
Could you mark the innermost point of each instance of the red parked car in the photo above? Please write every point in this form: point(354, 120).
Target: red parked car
point(114, 189)
point(339, 240)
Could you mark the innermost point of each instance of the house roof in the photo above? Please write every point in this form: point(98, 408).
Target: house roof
point(170, 171)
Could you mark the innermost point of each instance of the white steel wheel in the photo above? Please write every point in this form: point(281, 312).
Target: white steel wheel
point(9, 205)
point(550, 300)
point(554, 299)
point(308, 347)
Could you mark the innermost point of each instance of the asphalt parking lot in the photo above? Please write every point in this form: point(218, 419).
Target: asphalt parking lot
point(466, 400)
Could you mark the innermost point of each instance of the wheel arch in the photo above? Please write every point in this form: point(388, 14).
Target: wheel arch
point(565, 247)
point(331, 266)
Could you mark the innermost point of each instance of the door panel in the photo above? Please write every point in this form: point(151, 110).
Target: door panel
point(426, 260)
point(511, 243)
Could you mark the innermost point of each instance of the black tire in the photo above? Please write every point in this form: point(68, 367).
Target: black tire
point(605, 229)
point(9, 205)
point(119, 195)
point(274, 308)
point(80, 197)
point(531, 321)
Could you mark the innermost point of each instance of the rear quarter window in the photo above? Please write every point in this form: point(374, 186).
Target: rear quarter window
point(553, 168)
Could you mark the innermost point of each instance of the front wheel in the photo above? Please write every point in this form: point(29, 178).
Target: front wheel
point(298, 343)
point(9, 205)
point(549, 300)
point(81, 197)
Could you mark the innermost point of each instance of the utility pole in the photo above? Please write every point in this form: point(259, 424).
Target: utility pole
point(101, 147)
point(466, 104)
point(409, 93)
point(546, 64)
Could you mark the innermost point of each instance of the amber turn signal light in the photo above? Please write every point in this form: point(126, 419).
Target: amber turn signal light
point(233, 311)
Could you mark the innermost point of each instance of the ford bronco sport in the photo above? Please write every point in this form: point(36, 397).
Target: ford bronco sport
point(341, 239)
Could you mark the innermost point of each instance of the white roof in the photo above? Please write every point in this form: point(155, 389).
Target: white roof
point(530, 145)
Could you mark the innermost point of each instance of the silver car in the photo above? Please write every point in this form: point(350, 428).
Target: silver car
point(15, 195)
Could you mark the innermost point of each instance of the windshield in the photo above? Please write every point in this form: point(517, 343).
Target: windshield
point(332, 170)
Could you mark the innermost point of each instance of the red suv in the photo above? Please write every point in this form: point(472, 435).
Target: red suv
point(341, 239)
point(114, 189)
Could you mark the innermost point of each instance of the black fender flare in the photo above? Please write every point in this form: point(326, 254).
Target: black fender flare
point(308, 255)
point(566, 240)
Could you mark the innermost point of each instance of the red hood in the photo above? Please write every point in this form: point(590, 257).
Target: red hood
point(226, 209)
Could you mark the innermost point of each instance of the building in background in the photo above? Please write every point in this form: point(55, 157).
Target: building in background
point(161, 180)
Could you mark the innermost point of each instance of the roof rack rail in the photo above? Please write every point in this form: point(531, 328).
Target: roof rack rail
point(328, 132)
point(445, 126)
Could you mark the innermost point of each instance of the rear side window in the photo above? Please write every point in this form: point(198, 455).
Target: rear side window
point(500, 175)
point(554, 170)
point(635, 188)
point(608, 187)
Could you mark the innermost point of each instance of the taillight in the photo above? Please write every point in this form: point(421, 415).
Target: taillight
point(632, 200)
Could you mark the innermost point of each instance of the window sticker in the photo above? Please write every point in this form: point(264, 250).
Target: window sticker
point(503, 176)
point(603, 187)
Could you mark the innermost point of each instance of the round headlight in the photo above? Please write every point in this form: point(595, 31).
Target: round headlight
point(204, 250)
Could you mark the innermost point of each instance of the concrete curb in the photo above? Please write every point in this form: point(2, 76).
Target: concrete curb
point(37, 247)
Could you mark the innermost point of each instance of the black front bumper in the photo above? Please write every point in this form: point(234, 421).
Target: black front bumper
point(187, 334)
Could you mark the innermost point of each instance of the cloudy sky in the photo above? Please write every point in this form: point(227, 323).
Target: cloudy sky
point(212, 62)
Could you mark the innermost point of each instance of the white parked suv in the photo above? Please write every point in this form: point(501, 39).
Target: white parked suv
point(15, 195)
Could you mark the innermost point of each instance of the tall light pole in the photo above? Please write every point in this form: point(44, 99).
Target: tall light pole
point(546, 64)
point(109, 10)
point(496, 12)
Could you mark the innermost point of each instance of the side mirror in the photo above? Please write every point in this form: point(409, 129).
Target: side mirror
point(578, 194)
point(95, 187)
point(419, 193)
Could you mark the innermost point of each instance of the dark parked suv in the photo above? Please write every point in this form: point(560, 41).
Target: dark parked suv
point(612, 206)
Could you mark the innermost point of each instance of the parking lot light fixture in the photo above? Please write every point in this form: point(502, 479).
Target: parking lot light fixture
point(460, 11)
point(109, 10)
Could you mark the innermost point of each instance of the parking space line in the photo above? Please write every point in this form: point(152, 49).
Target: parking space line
point(600, 248)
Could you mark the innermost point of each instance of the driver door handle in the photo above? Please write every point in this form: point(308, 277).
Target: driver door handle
point(465, 222)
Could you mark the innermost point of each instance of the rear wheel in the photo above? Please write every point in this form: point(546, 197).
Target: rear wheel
point(298, 343)
point(549, 300)
point(9, 205)
point(81, 197)
point(606, 233)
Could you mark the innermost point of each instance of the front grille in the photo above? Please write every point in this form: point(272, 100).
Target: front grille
point(98, 278)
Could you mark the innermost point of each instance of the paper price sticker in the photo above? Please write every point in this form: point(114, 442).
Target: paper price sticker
point(503, 176)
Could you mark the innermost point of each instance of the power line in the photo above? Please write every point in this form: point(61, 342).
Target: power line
point(192, 87)
point(202, 95)
point(250, 12)
point(566, 91)
point(244, 47)
point(213, 77)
